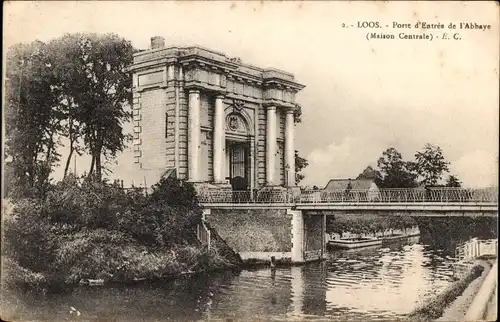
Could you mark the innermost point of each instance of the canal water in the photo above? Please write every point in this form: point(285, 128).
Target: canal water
point(377, 283)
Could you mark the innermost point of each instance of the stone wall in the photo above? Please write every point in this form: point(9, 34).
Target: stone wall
point(152, 129)
point(254, 230)
point(313, 232)
point(314, 241)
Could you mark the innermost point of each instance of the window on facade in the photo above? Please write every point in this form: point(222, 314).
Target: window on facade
point(166, 125)
point(238, 162)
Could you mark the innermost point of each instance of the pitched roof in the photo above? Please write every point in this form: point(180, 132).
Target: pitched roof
point(361, 184)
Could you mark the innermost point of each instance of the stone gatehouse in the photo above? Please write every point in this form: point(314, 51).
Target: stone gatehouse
point(212, 118)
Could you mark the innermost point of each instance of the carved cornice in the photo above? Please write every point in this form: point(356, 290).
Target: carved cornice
point(277, 103)
point(194, 61)
point(204, 86)
point(281, 83)
point(196, 57)
point(243, 98)
point(153, 63)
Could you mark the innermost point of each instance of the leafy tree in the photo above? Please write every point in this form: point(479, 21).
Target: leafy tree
point(394, 172)
point(32, 120)
point(94, 87)
point(297, 113)
point(430, 165)
point(300, 164)
point(368, 174)
point(453, 181)
point(330, 223)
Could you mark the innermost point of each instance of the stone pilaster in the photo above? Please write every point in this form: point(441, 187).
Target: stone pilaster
point(194, 134)
point(219, 139)
point(271, 146)
point(289, 148)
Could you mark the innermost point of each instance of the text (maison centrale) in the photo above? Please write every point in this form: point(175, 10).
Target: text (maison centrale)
point(421, 30)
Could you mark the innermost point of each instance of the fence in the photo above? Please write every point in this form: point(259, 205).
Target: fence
point(143, 190)
point(210, 196)
point(203, 234)
point(256, 196)
point(475, 248)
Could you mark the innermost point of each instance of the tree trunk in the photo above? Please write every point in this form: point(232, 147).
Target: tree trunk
point(91, 171)
point(98, 166)
point(68, 161)
point(71, 147)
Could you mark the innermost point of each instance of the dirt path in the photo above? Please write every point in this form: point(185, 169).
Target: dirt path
point(491, 311)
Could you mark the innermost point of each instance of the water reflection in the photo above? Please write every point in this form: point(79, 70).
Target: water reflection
point(377, 283)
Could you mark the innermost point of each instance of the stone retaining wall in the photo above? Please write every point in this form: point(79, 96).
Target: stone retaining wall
point(254, 230)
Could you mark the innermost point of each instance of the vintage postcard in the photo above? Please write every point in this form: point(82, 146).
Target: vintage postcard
point(250, 161)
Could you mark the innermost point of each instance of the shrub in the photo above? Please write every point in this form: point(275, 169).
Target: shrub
point(164, 217)
point(15, 276)
point(86, 230)
point(92, 253)
point(359, 224)
point(29, 238)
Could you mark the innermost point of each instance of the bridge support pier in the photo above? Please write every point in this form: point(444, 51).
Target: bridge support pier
point(297, 235)
point(205, 213)
point(258, 234)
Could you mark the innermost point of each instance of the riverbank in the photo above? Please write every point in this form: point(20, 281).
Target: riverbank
point(350, 280)
point(97, 233)
point(359, 231)
point(492, 308)
point(139, 267)
point(453, 302)
point(369, 225)
point(458, 308)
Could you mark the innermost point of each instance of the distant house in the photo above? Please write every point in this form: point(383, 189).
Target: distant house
point(355, 186)
point(360, 184)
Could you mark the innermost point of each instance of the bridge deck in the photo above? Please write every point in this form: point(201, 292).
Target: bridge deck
point(422, 209)
point(450, 200)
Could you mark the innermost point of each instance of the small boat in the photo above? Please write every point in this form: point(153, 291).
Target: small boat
point(396, 237)
point(92, 282)
point(349, 243)
point(392, 237)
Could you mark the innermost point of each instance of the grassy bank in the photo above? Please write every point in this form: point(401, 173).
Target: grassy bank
point(129, 264)
point(435, 307)
point(97, 231)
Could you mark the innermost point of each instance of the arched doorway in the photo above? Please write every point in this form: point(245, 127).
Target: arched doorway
point(238, 165)
point(238, 151)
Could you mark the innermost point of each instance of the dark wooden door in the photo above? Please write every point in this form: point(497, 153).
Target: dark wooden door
point(238, 167)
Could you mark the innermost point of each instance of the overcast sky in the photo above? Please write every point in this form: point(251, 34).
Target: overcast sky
point(361, 96)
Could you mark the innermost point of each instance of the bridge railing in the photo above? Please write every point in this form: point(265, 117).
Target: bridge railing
point(463, 195)
point(476, 247)
point(211, 196)
point(288, 196)
point(401, 195)
point(203, 234)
